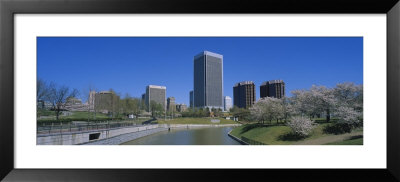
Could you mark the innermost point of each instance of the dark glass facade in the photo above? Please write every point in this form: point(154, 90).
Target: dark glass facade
point(244, 94)
point(273, 88)
point(208, 80)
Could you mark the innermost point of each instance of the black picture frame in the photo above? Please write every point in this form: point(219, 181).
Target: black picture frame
point(8, 8)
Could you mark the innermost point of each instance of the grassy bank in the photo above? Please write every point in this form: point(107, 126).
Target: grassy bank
point(281, 135)
point(356, 141)
point(187, 120)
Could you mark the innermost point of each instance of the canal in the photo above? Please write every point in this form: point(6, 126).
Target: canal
point(199, 136)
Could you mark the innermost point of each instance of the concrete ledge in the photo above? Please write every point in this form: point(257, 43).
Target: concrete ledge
point(237, 139)
point(125, 137)
point(172, 126)
point(83, 137)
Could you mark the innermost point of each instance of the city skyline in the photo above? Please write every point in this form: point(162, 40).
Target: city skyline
point(80, 62)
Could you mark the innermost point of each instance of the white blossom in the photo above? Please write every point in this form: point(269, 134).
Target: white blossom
point(348, 115)
point(267, 109)
point(301, 125)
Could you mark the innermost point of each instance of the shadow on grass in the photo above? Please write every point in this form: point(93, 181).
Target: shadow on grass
point(249, 127)
point(291, 137)
point(338, 128)
point(355, 137)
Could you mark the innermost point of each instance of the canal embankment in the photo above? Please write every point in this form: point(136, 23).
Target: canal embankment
point(116, 136)
point(126, 137)
point(192, 126)
point(80, 137)
point(237, 139)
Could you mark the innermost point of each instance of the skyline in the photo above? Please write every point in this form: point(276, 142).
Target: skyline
point(128, 65)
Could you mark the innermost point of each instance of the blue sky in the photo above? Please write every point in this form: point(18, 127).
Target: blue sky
point(129, 64)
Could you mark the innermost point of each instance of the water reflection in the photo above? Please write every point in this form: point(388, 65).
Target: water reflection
point(200, 136)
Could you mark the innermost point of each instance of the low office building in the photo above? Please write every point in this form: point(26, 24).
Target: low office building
point(181, 107)
point(171, 104)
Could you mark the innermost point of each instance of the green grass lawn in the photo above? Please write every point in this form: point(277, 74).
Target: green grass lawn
point(49, 116)
point(75, 114)
point(187, 120)
point(278, 135)
point(84, 114)
point(357, 141)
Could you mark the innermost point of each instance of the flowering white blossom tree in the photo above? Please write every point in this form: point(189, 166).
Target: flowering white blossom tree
point(348, 115)
point(350, 95)
point(301, 126)
point(304, 102)
point(267, 109)
point(324, 100)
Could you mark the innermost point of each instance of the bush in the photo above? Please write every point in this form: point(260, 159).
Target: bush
point(338, 128)
point(301, 126)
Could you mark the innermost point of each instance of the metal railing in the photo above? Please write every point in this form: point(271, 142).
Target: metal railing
point(60, 128)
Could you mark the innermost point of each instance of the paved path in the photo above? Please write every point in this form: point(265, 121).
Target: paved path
point(328, 139)
point(125, 137)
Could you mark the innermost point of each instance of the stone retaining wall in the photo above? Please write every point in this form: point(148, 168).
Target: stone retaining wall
point(83, 137)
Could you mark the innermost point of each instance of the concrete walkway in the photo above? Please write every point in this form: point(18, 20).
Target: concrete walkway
point(125, 137)
point(329, 139)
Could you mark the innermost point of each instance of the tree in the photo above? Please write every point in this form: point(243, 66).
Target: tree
point(241, 113)
point(115, 104)
point(267, 109)
point(88, 94)
point(156, 108)
point(42, 90)
point(58, 96)
point(301, 126)
point(324, 100)
point(348, 115)
point(288, 107)
point(130, 105)
point(303, 102)
point(350, 95)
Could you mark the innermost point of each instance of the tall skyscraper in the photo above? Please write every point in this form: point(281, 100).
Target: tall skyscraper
point(227, 103)
point(208, 80)
point(244, 94)
point(191, 99)
point(157, 94)
point(171, 104)
point(272, 88)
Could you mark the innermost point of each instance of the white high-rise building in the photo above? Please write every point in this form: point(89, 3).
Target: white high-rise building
point(157, 94)
point(227, 103)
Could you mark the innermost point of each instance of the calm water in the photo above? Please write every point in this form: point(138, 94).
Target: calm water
point(201, 136)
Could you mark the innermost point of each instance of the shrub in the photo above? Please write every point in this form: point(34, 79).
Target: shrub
point(338, 128)
point(301, 126)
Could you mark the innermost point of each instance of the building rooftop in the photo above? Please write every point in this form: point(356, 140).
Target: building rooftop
point(210, 54)
point(156, 86)
point(244, 83)
point(272, 82)
point(104, 92)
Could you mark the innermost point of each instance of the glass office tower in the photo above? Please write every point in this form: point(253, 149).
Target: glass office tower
point(208, 80)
